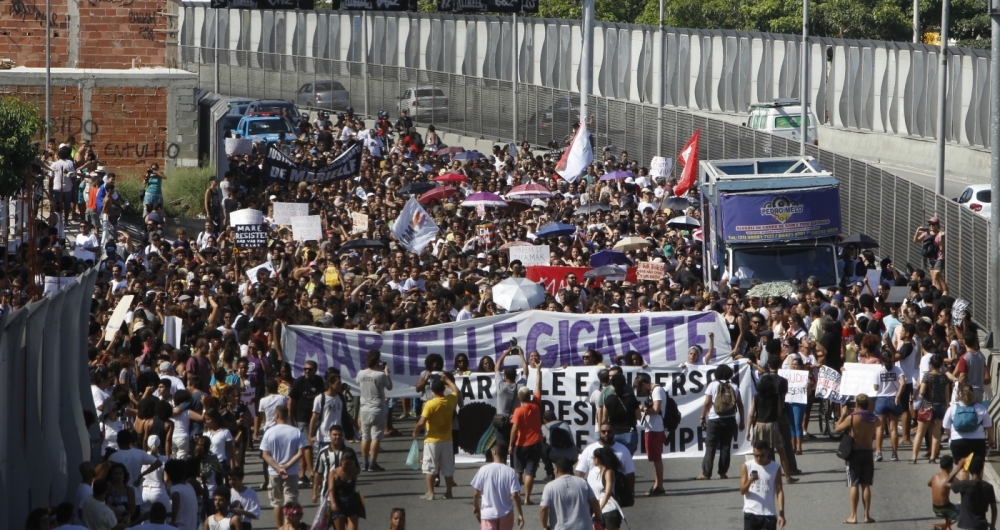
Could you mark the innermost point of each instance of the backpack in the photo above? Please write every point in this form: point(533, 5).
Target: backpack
point(725, 400)
point(966, 420)
point(929, 247)
point(622, 493)
point(671, 415)
point(560, 438)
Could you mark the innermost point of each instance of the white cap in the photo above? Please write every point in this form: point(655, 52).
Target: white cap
point(153, 440)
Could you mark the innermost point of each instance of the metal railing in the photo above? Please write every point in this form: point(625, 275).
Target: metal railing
point(874, 202)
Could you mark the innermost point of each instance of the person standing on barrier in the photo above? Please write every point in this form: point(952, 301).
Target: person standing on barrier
point(931, 241)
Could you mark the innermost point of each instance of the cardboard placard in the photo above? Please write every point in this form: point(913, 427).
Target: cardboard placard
point(647, 270)
point(252, 273)
point(530, 256)
point(284, 211)
point(307, 228)
point(859, 379)
point(660, 167)
point(359, 223)
point(798, 385)
point(246, 216)
point(239, 146)
point(250, 236)
point(118, 317)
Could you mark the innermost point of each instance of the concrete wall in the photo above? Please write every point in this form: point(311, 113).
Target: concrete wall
point(133, 117)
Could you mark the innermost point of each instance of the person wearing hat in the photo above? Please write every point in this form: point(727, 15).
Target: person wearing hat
point(931, 241)
point(166, 371)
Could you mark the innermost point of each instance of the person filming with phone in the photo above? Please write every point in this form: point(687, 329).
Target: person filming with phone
point(373, 381)
point(763, 496)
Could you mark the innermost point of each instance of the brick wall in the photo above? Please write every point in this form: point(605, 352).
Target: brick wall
point(22, 32)
point(127, 125)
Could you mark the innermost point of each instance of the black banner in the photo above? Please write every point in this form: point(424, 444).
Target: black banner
point(529, 6)
point(487, 6)
point(503, 6)
point(250, 236)
point(278, 166)
point(376, 5)
point(263, 4)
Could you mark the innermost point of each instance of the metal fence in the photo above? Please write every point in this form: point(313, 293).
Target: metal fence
point(874, 202)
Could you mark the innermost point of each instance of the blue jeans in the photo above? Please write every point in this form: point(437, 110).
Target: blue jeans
point(797, 410)
point(629, 439)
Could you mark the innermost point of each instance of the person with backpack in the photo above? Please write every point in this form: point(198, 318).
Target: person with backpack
point(621, 408)
point(652, 426)
point(718, 418)
point(970, 424)
point(559, 443)
point(931, 241)
point(606, 478)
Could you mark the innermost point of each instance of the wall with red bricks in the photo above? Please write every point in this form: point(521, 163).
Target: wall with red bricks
point(22, 32)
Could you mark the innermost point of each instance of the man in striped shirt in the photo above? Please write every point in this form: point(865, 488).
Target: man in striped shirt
point(329, 458)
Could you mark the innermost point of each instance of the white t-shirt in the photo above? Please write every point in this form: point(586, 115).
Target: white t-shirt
point(218, 445)
point(586, 460)
point(911, 365)
point(888, 382)
point(329, 409)
point(187, 515)
point(596, 482)
point(267, 405)
point(496, 483)
point(182, 424)
point(248, 500)
point(100, 396)
point(61, 179)
point(86, 241)
point(283, 442)
point(713, 391)
point(111, 430)
point(979, 433)
point(133, 459)
point(653, 421)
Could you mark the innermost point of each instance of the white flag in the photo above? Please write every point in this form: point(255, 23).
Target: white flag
point(577, 156)
point(414, 229)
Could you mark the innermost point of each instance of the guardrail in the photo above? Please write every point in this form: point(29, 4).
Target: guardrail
point(873, 201)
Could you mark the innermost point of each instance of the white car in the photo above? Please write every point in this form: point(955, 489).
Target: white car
point(424, 101)
point(783, 118)
point(977, 198)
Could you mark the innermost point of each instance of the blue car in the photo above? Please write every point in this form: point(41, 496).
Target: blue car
point(265, 127)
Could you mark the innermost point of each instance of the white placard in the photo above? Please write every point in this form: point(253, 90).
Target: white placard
point(647, 270)
point(252, 273)
point(359, 223)
point(530, 255)
point(660, 167)
point(874, 279)
point(307, 228)
point(859, 379)
point(118, 317)
point(246, 216)
point(828, 385)
point(172, 327)
point(798, 385)
point(239, 146)
point(284, 211)
point(54, 283)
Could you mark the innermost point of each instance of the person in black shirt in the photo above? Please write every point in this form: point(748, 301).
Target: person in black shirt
point(977, 496)
point(622, 411)
point(304, 390)
point(764, 414)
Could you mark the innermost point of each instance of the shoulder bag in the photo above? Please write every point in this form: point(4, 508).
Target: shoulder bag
point(846, 445)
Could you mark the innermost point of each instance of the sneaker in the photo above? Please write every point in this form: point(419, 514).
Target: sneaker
point(364, 467)
point(895, 457)
point(304, 481)
point(878, 457)
point(427, 497)
point(375, 467)
point(448, 495)
point(655, 492)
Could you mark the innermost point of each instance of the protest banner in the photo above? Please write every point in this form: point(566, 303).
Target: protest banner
point(118, 317)
point(54, 283)
point(660, 167)
point(279, 166)
point(859, 379)
point(530, 255)
point(798, 385)
point(828, 385)
point(239, 146)
point(246, 216)
point(252, 273)
point(359, 223)
point(554, 278)
point(414, 229)
point(284, 211)
point(647, 270)
point(250, 236)
point(307, 228)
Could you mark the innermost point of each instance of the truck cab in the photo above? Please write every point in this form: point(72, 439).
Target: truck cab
point(782, 117)
point(771, 219)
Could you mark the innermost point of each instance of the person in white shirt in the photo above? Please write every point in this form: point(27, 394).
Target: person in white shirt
point(96, 514)
point(760, 485)
point(718, 417)
point(137, 462)
point(652, 425)
point(327, 411)
point(61, 181)
point(154, 489)
point(497, 493)
point(64, 517)
point(157, 519)
point(183, 499)
point(87, 245)
point(606, 438)
point(100, 380)
point(282, 449)
point(243, 500)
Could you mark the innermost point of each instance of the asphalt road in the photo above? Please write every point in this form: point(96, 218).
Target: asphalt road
point(818, 501)
point(953, 184)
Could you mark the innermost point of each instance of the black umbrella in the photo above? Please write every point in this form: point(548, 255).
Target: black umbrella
point(860, 240)
point(416, 188)
point(684, 222)
point(363, 243)
point(592, 208)
point(605, 271)
point(677, 203)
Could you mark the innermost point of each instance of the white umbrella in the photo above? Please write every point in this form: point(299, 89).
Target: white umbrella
point(632, 243)
point(518, 294)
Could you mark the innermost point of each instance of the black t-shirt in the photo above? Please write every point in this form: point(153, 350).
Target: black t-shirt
point(303, 391)
point(831, 343)
point(324, 138)
point(976, 499)
point(767, 406)
point(621, 412)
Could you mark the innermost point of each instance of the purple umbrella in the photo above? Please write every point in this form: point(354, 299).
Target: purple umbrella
point(468, 155)
point(616, 175)
point(484, 198)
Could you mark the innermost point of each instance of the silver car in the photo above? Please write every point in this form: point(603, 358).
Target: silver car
point(424, 101)
point(323, 94)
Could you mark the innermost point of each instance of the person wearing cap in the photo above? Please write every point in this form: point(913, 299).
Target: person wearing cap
point(931, 241)
point(153, 487)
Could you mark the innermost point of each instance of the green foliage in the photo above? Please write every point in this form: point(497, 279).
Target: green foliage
point(185, 184)
point(19, 125)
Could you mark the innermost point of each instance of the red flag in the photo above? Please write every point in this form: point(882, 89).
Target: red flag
point(688, 158)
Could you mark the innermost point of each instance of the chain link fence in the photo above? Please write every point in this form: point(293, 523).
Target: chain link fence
point(873, 201)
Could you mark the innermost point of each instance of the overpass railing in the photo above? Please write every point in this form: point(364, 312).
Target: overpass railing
point(873, 201)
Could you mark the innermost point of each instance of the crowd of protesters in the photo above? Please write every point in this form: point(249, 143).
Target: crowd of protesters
point(177, 416)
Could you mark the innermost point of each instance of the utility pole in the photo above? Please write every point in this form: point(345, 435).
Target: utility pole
point(215, 55)
point(942, 96)
point(804, 96)
point(514, 76)
point(364, 57)
point(586, 58)
point(663, 85)
point(994, 234)
point(916, 21)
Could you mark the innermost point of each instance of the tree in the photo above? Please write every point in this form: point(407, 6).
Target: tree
point(19, 125)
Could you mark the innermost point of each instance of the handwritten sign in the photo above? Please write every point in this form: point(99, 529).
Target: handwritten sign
point(254, 272)
point(660, 166)
point(647, 270)
point(359, 223)
point(828, 385)
point(307, 228)
point(118, 317)
point(284, 211)
point(239, 146)
point(250, 236)
point(246, 216)
point(530, 256)
point(798, 385)
point(958, 310)
point(859, 379)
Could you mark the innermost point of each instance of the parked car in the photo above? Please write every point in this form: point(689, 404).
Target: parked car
point(238, 110)
point(978, 198)
point(782, 117)
point(323, 94)
point(424, 101)
point(265, 127)
point(274, 105)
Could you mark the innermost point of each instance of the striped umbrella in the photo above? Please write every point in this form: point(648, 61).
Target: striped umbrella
point(529, 191)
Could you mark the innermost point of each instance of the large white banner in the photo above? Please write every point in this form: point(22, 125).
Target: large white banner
point(414, 229)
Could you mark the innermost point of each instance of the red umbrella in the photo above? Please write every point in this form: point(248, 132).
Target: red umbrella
point(529, 191)
point(451, 177)
point(437, 194)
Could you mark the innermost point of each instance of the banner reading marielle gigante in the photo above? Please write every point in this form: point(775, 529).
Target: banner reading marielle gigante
point(561, 339)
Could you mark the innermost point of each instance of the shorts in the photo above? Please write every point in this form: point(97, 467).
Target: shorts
point(759, 522)
point(948, 511)
point(303, 427)
point(861, 468)
point(939, 410)
point(886, 406)
point(654, 445)
point(62, 197)
point(153, 199)
point(937, 265)
point(770, 433)
point(282, 490)
point(526, 459)
point(504, 523)
point(373, 425)
point(438, 457)
point(612, 520)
